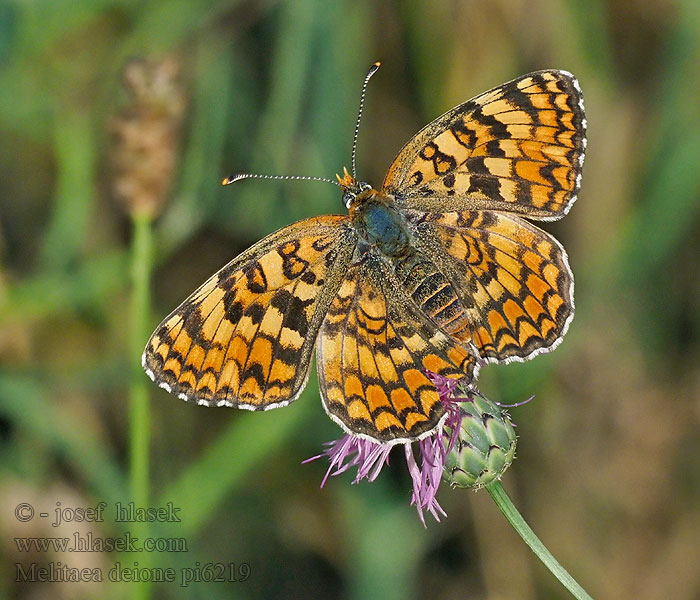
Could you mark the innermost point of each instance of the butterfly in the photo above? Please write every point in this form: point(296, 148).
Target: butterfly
point(438, 270)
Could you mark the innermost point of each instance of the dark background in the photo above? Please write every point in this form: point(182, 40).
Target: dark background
point(608, 465)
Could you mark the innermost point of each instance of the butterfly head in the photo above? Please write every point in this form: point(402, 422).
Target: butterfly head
point(352, 188)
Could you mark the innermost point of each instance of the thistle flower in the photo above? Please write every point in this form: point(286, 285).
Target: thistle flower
point(474, 446)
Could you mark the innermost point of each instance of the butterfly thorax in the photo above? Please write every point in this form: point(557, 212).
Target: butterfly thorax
point(379, 223)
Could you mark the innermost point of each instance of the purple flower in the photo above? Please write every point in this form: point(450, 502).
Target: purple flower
point(426, 472)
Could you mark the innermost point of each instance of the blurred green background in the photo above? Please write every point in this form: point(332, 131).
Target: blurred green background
point(608, 468)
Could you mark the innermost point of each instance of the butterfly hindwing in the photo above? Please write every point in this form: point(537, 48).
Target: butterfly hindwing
point(514, 277)
point(372, 353)
point(518, 148)
point(245, 337)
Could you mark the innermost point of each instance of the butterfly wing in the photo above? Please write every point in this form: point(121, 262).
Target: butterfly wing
point(513, 278)
point(245, 337)
point(372, 353)
point(518, 148)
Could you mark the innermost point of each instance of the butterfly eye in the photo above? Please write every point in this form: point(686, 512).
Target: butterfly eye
point(364, 186)
point(348, 197)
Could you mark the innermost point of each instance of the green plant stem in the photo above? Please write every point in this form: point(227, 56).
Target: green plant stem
point(516, 520)
point(140, 417)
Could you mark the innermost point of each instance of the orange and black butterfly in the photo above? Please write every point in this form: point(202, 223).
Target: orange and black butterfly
point(437, 270)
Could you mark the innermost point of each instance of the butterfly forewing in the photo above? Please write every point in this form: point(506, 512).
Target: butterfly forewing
point(245, 337)
point(518, 147)
point(372, 354)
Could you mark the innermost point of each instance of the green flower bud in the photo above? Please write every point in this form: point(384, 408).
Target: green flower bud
point(485, 445)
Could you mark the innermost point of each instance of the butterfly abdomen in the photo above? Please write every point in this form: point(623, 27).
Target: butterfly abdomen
point(434, 294)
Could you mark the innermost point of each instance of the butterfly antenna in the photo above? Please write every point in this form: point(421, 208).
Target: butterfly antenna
point(372, 70)
point(238, 176)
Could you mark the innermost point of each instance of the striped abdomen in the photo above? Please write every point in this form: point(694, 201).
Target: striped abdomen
point(434, 294)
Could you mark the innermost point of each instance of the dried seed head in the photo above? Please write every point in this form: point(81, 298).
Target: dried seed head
point(145, 135)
